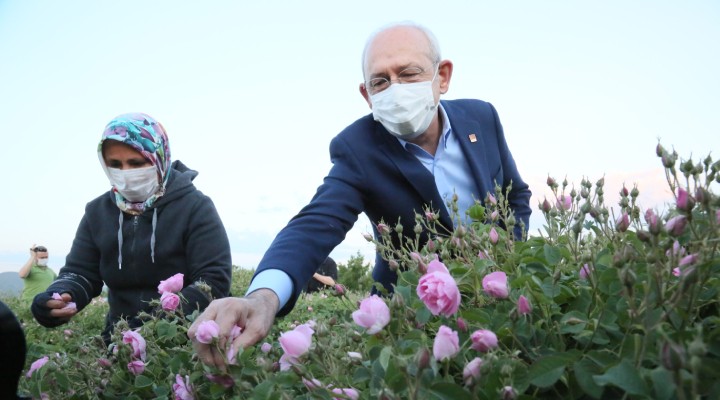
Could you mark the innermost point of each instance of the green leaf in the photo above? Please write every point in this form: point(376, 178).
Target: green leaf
point(584, 371)
point(142, 381)
point(263, 390)
point(663, 383)
point(446, 391)
point(546, 370)
point(552, 255)
point(573, 322)
point(384, 358)
point(626, 377)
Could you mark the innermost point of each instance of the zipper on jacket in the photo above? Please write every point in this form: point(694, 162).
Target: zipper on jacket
point(136, 220)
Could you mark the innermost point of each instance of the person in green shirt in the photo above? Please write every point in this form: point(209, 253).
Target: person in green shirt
point(36, 273)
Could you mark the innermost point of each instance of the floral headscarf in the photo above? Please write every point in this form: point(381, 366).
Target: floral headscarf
point(146, 135)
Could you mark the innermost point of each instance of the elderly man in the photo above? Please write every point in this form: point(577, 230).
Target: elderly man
point(413, 152)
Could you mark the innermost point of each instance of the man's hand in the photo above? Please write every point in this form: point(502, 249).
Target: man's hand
point(51, 312)
point(255, 314)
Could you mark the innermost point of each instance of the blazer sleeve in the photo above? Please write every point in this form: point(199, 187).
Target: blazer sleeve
point(320, 226)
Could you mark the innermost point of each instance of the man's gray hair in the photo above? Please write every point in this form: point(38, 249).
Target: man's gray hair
point(434, 53)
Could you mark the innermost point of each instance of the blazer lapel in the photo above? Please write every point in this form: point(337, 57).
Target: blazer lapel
point(469, 135)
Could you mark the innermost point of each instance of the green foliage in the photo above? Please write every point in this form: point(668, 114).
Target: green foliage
point(640, 322)
point(355, 276)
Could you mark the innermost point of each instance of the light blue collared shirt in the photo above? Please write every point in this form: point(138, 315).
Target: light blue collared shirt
point(452, 175)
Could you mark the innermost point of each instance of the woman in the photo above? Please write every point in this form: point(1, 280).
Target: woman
point(151, 225)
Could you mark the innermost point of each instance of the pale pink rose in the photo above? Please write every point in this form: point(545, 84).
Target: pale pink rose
point(585, 271)
point(182, 388)
point(235, 332)
point(495, 285)
point(483, 255)
point(173, 284)
point(689, 259)
point(676, 251)
point(169, 301)
point(231, 354)
point(373, 314)
point(524, 307)
point(494, 237)
point(225, 380)
point(471, 372)
point(36, 365)
point(438, 290)
point(483, 340)
point(266, 347)
point(136, 367)
point(676, 225)
point(286, 362)
point(68, 332)
point(104, 362)
point(70, 306)
point(462, 325)
point(312, 384)
point(207, 331)
point(56, 296)
point(676, 271)
point(297, 342)
point(491, 199)
point(347, 392)
point(446, 343)
point(564, 202)
point(137, 342)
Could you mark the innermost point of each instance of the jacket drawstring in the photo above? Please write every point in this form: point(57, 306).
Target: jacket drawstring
point(120, 241)
point(152, 237)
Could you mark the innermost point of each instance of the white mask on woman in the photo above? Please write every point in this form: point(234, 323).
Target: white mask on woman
point(136, 184)
point(405, 109)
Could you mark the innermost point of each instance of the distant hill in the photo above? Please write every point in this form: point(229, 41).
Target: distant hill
point(10, 284)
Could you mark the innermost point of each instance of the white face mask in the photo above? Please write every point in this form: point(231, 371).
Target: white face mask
point(136, 184)
point(405, 109)
point(42, 262)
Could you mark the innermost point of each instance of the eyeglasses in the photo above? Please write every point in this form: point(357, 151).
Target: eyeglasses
point(40, 249)
point(408, 75)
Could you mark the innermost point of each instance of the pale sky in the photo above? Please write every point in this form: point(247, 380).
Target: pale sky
point(252, 94)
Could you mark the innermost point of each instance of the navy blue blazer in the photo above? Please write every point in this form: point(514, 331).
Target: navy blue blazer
point(374, 174)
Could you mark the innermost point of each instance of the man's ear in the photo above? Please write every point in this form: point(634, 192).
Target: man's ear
point(445, 69)
point(365, 95)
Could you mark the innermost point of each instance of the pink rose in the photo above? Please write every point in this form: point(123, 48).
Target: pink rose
point(207, 331)
point(676, 271)
point(266, 347)
point(56, 296)
point(494, 237)
point(623, 222)
point(438, 290)
point(173, 284)
point(225, 380)
point(296, 342)
point(508, 393)
point(182, 388)
point(471, 372)
point(169, 301)
point(312, 384)
point(373, 314)
point(689, 259)
point(523, 305)
point(483, 255)
point(347, 392)
point(483, 340)
point(684, 201)
point(676, 225)
point(462, 325)
point(231, 354)
point(652, 220)
point(36, 365)
point(676, 251)
point(235, 332)
point(136, 367)
point(585, 271)
point(564, 202)
point(446, 344)
point(495, 285)
point(137, 342)
point(104, 362)
point(68, 332)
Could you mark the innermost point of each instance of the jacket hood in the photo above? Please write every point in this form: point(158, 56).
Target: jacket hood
point(179, 184)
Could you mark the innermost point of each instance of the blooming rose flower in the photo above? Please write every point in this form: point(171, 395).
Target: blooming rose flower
point(483, 340)
point(266, 347)
point(373, 314)
point(676, 271)
point(207, 331)
point(297, 342)
point(169, 301)
point(173, 284)
point(495, 285)
point(564, 202)
point(36, 365)
point(182, 388)
point(471, 372)
point(225, 380)
point(136, 367)
point(524, 307)
point(137, 342)
point(446, 343)
point(348, 392)
point(438, 290)
point(494, 237)
point(585, 271)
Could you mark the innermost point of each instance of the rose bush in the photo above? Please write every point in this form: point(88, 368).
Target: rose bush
point(589, 308)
